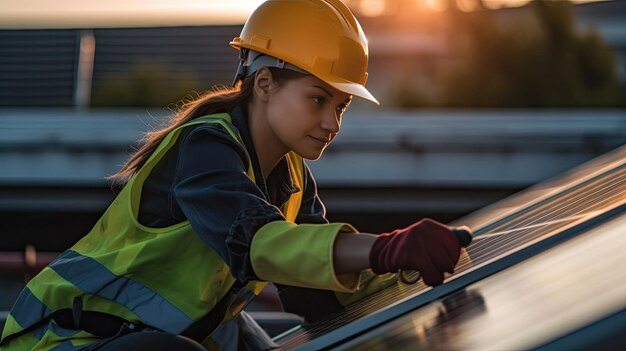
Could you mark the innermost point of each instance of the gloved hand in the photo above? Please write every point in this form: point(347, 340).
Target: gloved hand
point(427, 246)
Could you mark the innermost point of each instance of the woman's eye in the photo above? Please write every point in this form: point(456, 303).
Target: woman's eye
point(319, 100)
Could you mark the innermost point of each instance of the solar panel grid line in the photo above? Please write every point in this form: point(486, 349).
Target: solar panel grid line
point(549, 188)
point(583, 193)
point(504, 243)
point(615, 189)
point(522, 242)
point(360, 326)
point(588, 194)
point(552, 196)
point(488, 243)
point(497, 240)
point(493, 234)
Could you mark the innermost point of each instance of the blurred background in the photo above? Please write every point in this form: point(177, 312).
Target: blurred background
point(480, 99)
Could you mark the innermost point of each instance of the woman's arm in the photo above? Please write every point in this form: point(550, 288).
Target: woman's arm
point(351, 252)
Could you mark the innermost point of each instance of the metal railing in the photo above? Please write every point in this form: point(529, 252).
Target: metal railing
point(28, 262)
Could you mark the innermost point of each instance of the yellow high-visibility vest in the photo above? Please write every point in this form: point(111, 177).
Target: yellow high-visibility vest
point(166, 278)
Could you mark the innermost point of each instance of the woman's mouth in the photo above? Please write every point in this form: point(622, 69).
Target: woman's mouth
point(320, 140)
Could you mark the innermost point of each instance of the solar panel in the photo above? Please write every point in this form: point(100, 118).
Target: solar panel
point(526, 306)
point(505, 234)
point(553, 187)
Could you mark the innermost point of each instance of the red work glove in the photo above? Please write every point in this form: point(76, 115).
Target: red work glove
point(426, 246)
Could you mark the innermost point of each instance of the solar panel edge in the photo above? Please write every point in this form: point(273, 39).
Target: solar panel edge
point(604, 331)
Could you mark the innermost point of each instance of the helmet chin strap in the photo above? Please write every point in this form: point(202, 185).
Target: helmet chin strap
point(251, 61)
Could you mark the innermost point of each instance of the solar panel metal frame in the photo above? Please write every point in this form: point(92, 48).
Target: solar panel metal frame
point(606, 330)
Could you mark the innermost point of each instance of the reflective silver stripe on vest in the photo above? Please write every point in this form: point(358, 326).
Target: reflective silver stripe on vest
point(93, 278)
point(28, 310)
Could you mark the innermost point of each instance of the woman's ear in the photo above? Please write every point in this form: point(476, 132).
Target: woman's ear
point(263, 84)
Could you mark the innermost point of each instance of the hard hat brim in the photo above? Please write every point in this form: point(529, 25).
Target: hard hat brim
point(352, 89)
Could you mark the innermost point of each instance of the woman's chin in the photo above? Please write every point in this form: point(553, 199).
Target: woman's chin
point(311, 155)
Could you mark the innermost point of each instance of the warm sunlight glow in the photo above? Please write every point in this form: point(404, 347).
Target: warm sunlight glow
point(467, 5)
point(111, 13)
point(435, 5)
point(372, 8)
point(143, 13)
point(496, 4)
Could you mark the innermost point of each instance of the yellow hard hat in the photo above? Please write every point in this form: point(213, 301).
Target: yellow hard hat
point(321, 37)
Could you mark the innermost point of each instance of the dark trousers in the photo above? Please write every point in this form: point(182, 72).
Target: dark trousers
point(147, 340)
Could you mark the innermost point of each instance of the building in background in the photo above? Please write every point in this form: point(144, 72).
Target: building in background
point(420, 56)
point(544, 54)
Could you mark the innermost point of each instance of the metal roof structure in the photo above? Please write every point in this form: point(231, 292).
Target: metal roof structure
point(544, 271)
point(42, 67)
point(68, 66)
point(386, 168)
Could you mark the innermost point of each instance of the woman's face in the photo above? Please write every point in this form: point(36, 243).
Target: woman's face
point(305, 115)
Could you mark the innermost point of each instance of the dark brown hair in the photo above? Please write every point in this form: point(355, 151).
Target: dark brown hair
point(219, 99)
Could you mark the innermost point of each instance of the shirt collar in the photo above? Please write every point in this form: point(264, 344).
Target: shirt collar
point(280, 185)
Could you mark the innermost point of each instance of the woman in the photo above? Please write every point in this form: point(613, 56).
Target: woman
point(220, 202)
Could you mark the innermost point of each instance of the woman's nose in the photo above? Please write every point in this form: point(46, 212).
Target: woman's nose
point(331, 122)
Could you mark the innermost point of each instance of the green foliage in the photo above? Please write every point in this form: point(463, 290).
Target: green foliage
point(540, 60)
point(146, 85)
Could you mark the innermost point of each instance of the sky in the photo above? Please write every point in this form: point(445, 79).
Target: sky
point(112, 13)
